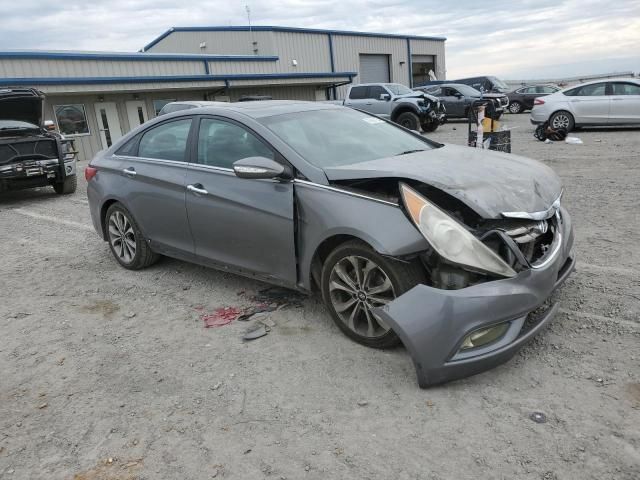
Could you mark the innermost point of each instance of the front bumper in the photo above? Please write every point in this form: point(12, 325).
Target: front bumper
point(433, 323)
point(33, 173)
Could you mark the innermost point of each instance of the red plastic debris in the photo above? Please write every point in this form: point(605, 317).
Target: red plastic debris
point(220, 317)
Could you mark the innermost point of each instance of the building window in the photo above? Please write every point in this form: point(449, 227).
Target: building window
point(158, 104)
point(71, 119)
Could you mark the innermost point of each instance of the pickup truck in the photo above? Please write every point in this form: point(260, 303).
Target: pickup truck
point(397, 103)
point(30, 155)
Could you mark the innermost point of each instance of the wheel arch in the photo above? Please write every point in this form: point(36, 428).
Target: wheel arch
point(403, 108)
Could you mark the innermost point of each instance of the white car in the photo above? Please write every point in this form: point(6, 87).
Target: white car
point(600, 102)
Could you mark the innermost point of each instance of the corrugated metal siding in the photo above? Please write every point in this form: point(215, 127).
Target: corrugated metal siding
point(225, 43)
point(347, 50)
point(431, 47)
point(17, 68)
point(126, 87)
point(310, 50)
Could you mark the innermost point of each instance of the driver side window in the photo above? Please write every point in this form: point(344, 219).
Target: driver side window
point(220, 144)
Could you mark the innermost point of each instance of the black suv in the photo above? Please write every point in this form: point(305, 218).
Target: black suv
point(31, 156)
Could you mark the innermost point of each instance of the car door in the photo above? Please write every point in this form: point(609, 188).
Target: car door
point(358, 98)
point(454, 102)
point(245, 224)
point(153, 169)
point(376, 105)
point(529, 94)
point(590, 103)
point(625, 103)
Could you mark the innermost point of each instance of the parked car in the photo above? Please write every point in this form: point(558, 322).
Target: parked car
point(31, 155)
point(458, 98)
point(397, 103)
point(522, 98)
point(451, 250)
point(484, 84)
point(185, 105)
point(596, 103)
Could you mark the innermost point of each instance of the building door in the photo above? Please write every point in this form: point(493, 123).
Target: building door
point(374, 69)
point(108, 123)
point(136, 113)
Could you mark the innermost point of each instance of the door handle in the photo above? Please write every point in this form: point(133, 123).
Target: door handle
point(130, 171)
point(617, 99)
point(197, 188)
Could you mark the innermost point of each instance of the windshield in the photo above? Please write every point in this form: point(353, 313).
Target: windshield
point(342, 136)
point(398, 89)
point(17, 125)
point(466, 90)
point(499, 84)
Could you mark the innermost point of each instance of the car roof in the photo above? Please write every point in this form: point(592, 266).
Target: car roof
point(266, 108)
point(195, 103)
point(605, 80)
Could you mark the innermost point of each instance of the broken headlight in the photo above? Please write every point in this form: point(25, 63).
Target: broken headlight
point(68, 153)
point(449, 238)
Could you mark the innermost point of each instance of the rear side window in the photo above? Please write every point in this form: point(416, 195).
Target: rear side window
point(593, 90)
point(358, 93)
point(166, 142)
point(623, 88)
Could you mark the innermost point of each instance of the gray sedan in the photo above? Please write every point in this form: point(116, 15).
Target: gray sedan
point(452, 251)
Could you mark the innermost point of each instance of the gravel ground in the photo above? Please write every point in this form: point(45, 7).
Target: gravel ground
point(109, 374)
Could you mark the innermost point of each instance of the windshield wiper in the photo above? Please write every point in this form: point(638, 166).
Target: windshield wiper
point(407, 152)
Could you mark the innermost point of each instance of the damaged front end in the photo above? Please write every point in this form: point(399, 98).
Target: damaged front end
point(489, 279)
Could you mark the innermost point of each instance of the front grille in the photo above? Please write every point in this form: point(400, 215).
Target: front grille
point(533, 238)
point(23, 150)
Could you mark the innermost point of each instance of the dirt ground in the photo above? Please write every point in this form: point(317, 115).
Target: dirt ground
point(109, 374)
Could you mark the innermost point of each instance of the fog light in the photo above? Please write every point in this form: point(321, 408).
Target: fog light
point(485, 336)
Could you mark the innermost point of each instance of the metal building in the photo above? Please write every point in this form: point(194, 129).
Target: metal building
point(96, 97)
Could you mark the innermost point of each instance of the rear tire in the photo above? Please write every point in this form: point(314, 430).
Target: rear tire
point(562, 119)
point(128, 245)
point(67, 187)
point(408, 120)
point(515, 107)
point(356, 279)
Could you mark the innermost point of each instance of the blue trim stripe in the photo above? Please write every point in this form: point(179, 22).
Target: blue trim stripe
point(410, 62)
point(169, 78)
point(134, 56)
point(265, 28)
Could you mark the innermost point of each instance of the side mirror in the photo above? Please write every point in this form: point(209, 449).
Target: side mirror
point(258, 167)
point(385, 97)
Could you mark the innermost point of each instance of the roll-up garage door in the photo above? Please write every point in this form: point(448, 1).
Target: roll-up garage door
point(374, 68)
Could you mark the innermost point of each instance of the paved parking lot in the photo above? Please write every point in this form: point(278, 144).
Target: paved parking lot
point(109, 374)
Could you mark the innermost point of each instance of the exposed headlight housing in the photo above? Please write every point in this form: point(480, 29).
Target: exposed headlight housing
point(449, 238)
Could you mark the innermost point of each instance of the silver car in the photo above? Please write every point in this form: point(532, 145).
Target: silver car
point(597, 103)
point(452, 251)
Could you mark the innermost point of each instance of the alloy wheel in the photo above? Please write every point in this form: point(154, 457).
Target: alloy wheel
point(357, 285)
point(560, 121)
point(122, 237)
point(515, 107)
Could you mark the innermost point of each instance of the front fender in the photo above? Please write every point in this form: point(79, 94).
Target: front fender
point(324, 212)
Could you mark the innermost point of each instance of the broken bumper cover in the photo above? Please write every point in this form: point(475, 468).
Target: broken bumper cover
point(433, 323)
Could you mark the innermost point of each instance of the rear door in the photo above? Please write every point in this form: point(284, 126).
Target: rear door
point(243, 223)
point(590, 103)
point(625, 103)
point(153, 169)
point(528, 94)
point(358, 98)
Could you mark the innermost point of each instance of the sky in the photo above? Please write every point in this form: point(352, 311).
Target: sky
point(525, 39)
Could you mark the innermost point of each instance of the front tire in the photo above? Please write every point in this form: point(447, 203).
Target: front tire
point(357, 279)
point(515, 107)
point(562, 119)
point(430, 127)
point(128, 245)
point(67, 187)
point(408, 120)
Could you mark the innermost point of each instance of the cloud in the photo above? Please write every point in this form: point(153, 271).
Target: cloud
point(521, 39)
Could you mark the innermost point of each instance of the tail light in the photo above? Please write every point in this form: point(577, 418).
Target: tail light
point(538, 101)
point(89, 172)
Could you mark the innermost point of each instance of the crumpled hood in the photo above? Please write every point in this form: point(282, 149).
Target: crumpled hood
point(488, 182)
point(25, 105)
point(416, 95)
